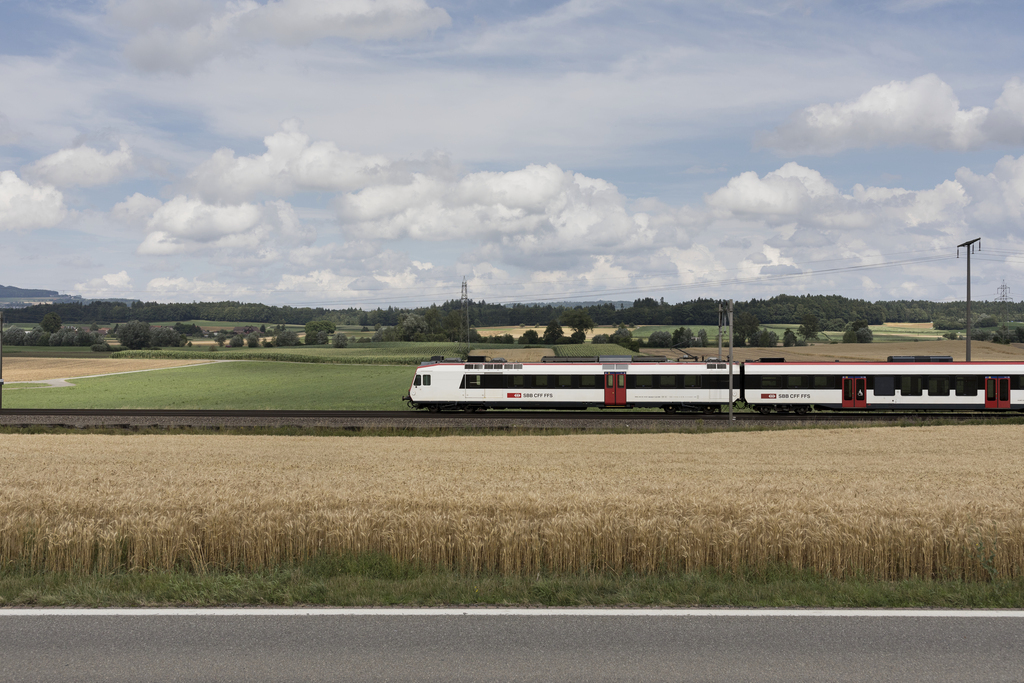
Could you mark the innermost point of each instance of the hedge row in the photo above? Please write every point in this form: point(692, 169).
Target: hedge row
point(282, 357)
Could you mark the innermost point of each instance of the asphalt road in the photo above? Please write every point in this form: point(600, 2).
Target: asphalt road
point(509, 645)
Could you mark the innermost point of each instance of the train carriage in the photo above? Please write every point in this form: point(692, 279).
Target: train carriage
point(900, 383)
point(572, 384)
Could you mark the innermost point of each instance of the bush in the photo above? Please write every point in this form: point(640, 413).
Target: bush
point(598, 339)
point(788, 338)
point(51, 323)
point(15, 336)
point(529, 337)
point(101, 347)
point(764, 338)
point(578, 337)
point(661, 338)
point(317, 338)
point(166, 336)
point(286, 338)
point(339, 341)
point(237, 341)
point(253, 340)
point(134, 334)
point(315, 326)
point(864, 336)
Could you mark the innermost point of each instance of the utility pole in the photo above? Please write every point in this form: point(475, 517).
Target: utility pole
point(465, 315)
point(1003, 294)
point(968, 247)
point(731, 418)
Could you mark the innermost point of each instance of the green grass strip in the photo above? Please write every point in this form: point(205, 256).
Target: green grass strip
point(373, 580)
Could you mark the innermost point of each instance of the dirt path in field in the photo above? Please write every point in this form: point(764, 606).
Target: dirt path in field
point(55, 371)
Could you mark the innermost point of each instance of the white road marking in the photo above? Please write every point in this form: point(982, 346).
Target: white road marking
point(501, 612)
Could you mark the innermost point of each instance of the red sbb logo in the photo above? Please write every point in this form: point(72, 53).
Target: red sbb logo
point(511, 395)
point(769, 395)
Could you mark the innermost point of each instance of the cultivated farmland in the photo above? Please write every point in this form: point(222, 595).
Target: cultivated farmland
point(884, 503)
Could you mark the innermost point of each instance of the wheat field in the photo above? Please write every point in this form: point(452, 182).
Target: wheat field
point(886, 503)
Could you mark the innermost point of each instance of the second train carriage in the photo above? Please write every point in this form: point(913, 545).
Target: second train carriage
point(901, 383)
point(574, 384)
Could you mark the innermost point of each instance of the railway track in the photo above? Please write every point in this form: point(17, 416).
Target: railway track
point(409, 419)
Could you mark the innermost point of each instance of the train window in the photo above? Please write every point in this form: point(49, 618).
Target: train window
point(691, 381)
point(645, 381)
point(516, 382)
point(540, 380)
point(667, 381)
point(416, 382)
point(494, 382)
point(589, 381)
point(1004, 390)
point(910, 385)
point(885, 385)
point(426, 380)
point(1015, 382)
point(938, 386)
point(611, 380)
point(564, 381)
point(823, 382)
point(990, 389)
point(966, 386)
point(794, 382)
point(847, 389)
point(471, 382)
point(621, 381)
point(770, 382)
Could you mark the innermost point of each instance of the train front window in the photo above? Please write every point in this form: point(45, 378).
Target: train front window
point(416, 382)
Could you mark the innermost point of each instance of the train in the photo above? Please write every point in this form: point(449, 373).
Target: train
point(768, 385)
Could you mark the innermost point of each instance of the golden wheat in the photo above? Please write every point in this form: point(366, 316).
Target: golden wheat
point(889, 503)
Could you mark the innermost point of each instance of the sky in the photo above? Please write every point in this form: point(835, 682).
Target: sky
point(377, 152)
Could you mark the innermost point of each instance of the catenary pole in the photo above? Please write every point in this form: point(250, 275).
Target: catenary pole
point(968, 246)
point(731, 418)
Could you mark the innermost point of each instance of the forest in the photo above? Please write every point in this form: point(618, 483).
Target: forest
point(783, 308)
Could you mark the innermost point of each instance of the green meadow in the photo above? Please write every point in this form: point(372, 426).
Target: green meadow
point(229, 386)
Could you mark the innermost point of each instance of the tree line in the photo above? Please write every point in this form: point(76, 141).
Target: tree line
point(834, 311)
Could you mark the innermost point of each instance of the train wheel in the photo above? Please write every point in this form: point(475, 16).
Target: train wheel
point(433, 409)
point(709, 410)
point(469, 409)
point(671, 409)
point(802, 410)
point(764, 410)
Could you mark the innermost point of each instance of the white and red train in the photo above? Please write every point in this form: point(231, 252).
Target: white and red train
point(768, 385)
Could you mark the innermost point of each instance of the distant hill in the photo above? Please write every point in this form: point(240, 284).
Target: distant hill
point(17, 292)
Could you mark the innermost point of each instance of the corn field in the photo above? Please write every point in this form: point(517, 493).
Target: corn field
point(887, 503)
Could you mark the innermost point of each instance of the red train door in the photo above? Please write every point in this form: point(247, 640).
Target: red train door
point(855, 392)
point(997, 392)
point(615, 388)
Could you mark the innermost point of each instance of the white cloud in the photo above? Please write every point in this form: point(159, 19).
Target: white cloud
point(998, 196)
point(82, 166)
point(291, 163)
point(924, 111)
point(110, 286)
point(539, 209)
point(196, 289)
point(136, 209)
point(26, 207)
point(188, 225)
point(178, 36)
